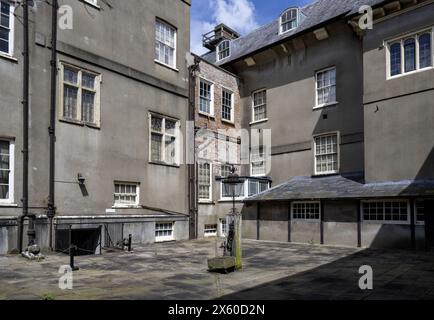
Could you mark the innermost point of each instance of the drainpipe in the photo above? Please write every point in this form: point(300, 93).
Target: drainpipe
point(51, 210)
point(192, 177)
point(25, 151)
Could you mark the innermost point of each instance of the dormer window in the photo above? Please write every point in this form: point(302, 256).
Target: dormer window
point(289, 20)
point(223, 50)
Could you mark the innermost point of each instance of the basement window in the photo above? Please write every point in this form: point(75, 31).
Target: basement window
point(210, 230)
point(6, 172)
point(164, 231)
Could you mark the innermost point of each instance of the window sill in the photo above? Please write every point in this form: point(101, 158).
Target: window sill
point(259, 121)
point(306, 220)
point(404, 223)
point(207, 115)
point(8, 57)
point(228, 122)
point(325, 174)
point(408, 73)
point(80, 123)
point(230, 201)
point(158, 163)
point(166, 65)
point(330, 104)
point(126, 207)
point(96, 6)
point(8, 205)
point(208, 202)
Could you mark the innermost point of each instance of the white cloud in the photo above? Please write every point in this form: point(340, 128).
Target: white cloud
point(237, 14)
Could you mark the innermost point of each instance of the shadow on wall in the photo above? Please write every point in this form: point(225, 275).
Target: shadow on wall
point(340, 279)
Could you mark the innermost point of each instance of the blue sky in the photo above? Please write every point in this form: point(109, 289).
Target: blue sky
point(242, 15)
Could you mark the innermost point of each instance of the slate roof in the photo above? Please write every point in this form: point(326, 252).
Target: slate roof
point(343, 187)
point(317, 13)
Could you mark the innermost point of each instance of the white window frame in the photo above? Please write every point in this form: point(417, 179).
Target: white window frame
point(10, 53)
point(232, 95)
point(228, 166)
point(165, 238)
point(163, 135)
point(260, 159)
point(209, 199)
point(211, 106)
point(401, 40)
point(207, 227)
point(253, 106)
point(319, 106)
point(338, 142)
point(218, 51)
point(222, 222)
point(175, 41)
point(297, 19)
point(10, 199)
point(304, 203)
point(125, 205)
point(79, 86)
point(407, 222)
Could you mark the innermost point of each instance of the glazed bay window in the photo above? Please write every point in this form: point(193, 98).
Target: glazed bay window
point(326, 87)
point(165, 44)
point(307, 210)
point(6, 171)
point(259, 105)
point(6, 27)
point(206, 93)
point(395, 211)
point(249, 187)
point(257, 161)
point(164, 231)
point(410, 54)
point(210, 230)
point(223, 50)
point(80, 95)
point(227, 105)
point(205, 180)
point(326, 154)
point(126, 194)
point(164, 141)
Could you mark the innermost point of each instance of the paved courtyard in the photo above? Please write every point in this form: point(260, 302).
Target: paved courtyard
point(179, 271)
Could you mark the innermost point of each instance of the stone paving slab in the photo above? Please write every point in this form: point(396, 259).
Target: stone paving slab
point(179, 271)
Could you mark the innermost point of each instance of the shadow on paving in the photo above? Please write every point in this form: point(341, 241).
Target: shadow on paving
point(397, 275)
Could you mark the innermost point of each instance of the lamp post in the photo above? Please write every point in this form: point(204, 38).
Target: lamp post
point(233, 221)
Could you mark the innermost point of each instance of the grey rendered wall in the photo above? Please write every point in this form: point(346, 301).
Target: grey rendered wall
point(398, 112)
point(290, 84)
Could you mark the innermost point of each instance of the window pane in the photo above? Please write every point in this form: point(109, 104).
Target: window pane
point(4, 40)
point(156, 124)
point(410, 55)
point(425, 52)
point(170, 150)
point(226, 105)
point(70, 75)
point(395, 59)
point(205, 97)
point(156, 141)
point(253, 187)
point(88, 81)
point(165, 43)
point(170, 127)
point(88, 110)
point(70, 102)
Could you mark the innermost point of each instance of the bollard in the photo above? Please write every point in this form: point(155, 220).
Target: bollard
point(129, 242)
point(71, 258)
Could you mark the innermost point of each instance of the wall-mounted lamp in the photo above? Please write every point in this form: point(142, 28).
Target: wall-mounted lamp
point(81, 179)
